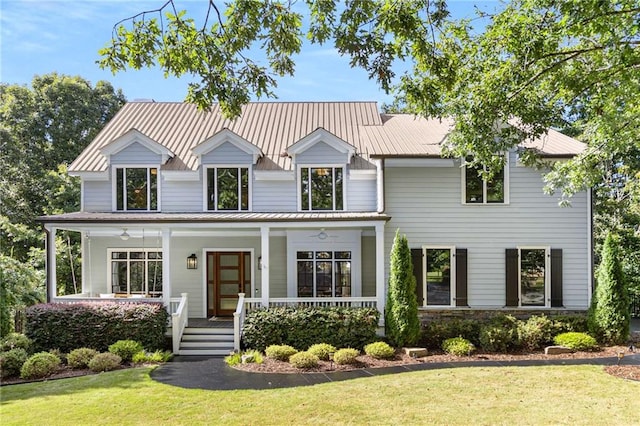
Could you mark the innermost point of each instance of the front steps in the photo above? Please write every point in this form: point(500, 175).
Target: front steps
point(208, 341)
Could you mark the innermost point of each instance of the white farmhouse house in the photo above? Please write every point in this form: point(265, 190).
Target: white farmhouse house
point(298, 202)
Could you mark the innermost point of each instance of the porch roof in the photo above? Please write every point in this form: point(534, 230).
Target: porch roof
point(208, 217)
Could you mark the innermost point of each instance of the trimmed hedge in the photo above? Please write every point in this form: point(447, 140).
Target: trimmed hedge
point(302, 327)
point(95, 325)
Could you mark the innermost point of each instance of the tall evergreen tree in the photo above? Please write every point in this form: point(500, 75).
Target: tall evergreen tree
point(609, 315)
point(402, 325)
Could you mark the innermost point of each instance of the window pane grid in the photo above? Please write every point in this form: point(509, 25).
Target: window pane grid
point(479, 190)
point(136, 272)
point(228, 188)
point(321, 188)
point(324, 273)
point(136, 188)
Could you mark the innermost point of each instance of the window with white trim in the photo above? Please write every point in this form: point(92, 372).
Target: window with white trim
point(533, 276)
point(322, 188)
point(136, 271)
point(478, 190)
point(438, 278)
point(228, 188)
point(324, 273)
point(136, 188)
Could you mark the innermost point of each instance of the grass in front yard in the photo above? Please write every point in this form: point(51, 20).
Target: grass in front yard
point(481, 395)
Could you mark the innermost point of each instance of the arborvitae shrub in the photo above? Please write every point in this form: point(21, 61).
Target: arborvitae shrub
point(79, 358)
point(280, 352)
point(379, 350)
point(576, 341)
point(346, 356)
point(126, 349)
point(402, 325)
point(609, 315)
point(40, 365)
point(322, 350)
point(105, 361)
point(12, 361)
point(304, 360)
point(458, 346)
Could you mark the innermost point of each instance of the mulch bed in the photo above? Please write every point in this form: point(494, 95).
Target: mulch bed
point(630, 372)
point(364, 361)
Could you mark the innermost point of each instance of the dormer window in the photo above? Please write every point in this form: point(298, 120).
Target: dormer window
point(136, 188)
point(321, 188)
point(228, 188)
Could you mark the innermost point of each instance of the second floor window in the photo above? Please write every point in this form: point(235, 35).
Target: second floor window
point(321, 188)
point(228, 188)
point(482, 191)
point(137, 188)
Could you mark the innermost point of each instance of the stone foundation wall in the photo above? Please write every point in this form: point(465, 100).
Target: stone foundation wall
point(426, 315)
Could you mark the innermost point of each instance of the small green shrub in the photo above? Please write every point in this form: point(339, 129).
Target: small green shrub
point(15, 341)
point(380, 350)
point(576, 341)
point(12, 361)
point(566, 323)
point(437, 331)
point(280, 352)
point(248, 357)
point(80, 358)
point(346, 356)
point(458, 346)
point(40, 365)
point(59, 354)
point(304, 360)
point(322, 350)
point(157, 356)
point(126, 349)
point(500, 334)
point(535, 332)
point(105, 361)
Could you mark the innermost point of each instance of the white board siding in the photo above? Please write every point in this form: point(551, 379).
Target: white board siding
point(361, 195)
point(136, 154)
point(96, 196)
point(425, 203)
point(321, 153)
point(181, 196)
point(274, 196)
point(226, 154)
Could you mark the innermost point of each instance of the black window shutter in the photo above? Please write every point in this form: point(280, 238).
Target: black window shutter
point(511, 276)
point(556, 278)
point(461, 277)
point(416, 259)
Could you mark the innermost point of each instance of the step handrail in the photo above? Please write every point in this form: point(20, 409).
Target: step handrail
point(179, 321)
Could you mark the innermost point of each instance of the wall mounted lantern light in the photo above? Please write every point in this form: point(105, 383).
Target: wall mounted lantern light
point(192, 261)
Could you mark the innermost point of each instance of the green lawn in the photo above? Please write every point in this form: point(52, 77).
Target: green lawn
point(481, 395)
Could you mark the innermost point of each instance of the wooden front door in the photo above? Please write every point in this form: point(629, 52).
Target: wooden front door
point(228, 273)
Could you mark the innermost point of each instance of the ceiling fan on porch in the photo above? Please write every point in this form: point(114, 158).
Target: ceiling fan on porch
point(322, 235)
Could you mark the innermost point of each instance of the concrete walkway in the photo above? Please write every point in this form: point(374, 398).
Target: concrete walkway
point(213, 374)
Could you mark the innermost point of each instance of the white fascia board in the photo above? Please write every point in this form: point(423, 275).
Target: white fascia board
point(133, 136)
point(223, 136)
point(91, 176)
point(363, 174)
point(180, 175)
point(274, 175)
point(419, 162)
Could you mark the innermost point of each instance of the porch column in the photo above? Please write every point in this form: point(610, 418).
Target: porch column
point(264, 248)
point(380, 292)
point(50, 260)
point(166, 266)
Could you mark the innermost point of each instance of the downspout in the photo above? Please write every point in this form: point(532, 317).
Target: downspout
point(380, 184)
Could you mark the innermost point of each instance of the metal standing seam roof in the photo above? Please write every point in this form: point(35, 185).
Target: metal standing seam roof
point(274, 126)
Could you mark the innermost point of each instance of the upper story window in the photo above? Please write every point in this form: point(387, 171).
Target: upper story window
point(322, 188)
point(478, 190)
point(136, 188)
point(228, 188)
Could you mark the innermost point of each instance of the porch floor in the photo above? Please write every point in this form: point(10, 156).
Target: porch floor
point(224, 322)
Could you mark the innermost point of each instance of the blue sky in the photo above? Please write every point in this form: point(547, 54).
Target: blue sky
point(39, 37)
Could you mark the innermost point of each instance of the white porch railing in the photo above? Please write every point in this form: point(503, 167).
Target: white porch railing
point(179, 318)
point(249, 304)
